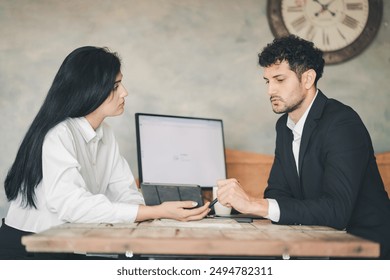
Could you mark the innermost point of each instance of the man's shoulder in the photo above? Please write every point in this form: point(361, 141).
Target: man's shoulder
point(325, 107)
point(336, 108)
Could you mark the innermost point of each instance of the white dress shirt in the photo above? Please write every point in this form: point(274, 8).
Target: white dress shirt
point(85, 180)
point(297, 129)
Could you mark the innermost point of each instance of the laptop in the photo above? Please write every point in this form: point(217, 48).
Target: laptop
point(178, 156)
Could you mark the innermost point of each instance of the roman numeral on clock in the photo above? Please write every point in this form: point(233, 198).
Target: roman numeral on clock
point(350, 22)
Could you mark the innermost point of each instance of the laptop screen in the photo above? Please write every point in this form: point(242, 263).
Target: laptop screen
point(180, 150)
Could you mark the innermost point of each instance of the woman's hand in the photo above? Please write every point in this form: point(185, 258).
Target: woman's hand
point(183, 210)
point(177, 210)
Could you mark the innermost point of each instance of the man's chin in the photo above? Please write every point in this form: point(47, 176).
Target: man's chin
point(278, 110)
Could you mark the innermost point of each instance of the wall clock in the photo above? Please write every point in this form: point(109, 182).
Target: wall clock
point(342, 29)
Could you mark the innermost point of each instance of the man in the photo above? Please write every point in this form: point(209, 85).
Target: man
point(324, 172)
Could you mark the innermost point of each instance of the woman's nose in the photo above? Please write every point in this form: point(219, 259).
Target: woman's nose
point(124, 92)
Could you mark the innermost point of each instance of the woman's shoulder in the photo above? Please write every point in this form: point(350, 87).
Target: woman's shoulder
point(61, 130)
point(60, 127)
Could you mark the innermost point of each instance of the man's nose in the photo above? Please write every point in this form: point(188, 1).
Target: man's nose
point(270, 89)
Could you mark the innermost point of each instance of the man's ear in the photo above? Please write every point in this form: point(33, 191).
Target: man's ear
point(308, 78)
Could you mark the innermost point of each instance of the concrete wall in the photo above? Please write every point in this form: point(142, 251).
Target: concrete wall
point(180, 57)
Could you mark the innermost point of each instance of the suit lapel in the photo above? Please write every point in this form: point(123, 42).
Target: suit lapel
point(311, 123)
point(288, 149)
point(291, 173)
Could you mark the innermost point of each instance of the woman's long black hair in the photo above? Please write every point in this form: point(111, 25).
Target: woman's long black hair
point(84, 80)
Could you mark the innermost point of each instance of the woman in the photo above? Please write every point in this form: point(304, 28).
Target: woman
point(68, 167)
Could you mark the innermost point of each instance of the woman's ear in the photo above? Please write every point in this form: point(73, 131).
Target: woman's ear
point(308, 78)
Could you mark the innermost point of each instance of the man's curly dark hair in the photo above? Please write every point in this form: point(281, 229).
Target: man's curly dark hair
point(300, 54)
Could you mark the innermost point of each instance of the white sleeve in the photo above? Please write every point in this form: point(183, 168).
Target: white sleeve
point(273, 210)
point(65, 189)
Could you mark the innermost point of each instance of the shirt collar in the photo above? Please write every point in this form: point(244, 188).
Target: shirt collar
point(87, 131)
point(298, 127)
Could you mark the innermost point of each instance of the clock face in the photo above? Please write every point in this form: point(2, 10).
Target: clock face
point(340, 28)
point(330, 25)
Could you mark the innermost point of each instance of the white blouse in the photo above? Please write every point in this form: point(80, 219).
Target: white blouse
point(85, 180)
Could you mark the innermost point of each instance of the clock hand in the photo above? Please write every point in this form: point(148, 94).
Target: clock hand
point(324, 7)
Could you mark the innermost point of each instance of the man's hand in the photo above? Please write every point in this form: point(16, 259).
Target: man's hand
point(230, 193)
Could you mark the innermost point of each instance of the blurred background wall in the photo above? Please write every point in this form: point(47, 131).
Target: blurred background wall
point(180, 57)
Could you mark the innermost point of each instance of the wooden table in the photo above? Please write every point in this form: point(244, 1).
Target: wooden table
point(208, 237)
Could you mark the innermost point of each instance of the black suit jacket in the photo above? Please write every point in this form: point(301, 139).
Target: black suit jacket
point(339, 184)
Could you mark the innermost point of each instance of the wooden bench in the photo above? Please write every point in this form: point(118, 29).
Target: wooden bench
point(252, 169)
point(383, 160)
